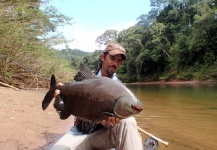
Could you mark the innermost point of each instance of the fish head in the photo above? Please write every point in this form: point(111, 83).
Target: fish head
point(127, 106)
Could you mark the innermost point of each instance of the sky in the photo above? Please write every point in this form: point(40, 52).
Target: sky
point(93, 17)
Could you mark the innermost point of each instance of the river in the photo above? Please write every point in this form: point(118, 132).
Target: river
point(185, 115)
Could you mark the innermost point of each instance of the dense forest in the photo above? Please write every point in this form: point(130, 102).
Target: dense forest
point(26, 35)
point(176, 40)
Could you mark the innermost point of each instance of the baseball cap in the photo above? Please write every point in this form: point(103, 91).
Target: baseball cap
point(114, 49)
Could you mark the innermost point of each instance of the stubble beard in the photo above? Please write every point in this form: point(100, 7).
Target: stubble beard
point(110, 72)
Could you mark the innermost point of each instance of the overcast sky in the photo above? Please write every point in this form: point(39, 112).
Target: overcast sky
point(94, 17)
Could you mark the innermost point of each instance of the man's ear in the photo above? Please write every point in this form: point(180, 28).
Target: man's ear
point(102, 56)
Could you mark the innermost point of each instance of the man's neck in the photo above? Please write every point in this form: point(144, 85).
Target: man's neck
point(103, 74)
point(99, 74)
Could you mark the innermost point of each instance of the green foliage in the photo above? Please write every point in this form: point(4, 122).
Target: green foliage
point(74, 56)
point(212, 71)
point(180, 45)
point(92, 59)
point(107, 37)
point(176, 40)
point(25, 60)
point(131, 67)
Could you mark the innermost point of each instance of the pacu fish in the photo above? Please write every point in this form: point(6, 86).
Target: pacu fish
point(92, 98)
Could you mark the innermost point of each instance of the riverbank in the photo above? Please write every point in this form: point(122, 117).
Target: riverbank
point(24, 125)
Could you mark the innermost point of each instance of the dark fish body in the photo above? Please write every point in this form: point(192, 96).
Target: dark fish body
point(93, 98)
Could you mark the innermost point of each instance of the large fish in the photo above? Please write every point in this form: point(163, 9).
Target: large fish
point(92, 98)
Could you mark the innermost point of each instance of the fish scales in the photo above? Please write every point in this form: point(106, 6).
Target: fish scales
point(90, 98)
point(93, 98)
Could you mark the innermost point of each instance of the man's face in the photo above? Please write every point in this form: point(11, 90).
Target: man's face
point(110, 64)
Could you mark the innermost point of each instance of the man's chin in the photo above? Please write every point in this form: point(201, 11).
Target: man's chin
point(110, 73)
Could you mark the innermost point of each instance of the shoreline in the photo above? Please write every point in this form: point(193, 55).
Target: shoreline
point(191, 82)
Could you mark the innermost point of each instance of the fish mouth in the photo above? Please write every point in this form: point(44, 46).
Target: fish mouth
point(136, 108)
point(127, 106)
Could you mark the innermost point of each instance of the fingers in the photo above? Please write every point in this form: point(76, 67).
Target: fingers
point(117, 120)
point(58, 91)
point(111, 121)
point(103, 123)
point(59, 84)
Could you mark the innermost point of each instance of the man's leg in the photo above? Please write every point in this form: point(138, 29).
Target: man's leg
point(73, 140)
point(124, 136)
point(129, 136)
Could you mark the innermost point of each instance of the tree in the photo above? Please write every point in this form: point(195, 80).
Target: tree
point(107, 37)
point(149, 19)
point(23, 50)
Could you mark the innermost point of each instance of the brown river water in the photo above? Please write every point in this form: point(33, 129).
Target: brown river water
point(185, 115)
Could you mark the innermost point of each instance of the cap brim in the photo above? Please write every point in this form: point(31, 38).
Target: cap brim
point(116, 52)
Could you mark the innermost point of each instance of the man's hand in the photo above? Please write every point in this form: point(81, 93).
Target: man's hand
point(111, 121)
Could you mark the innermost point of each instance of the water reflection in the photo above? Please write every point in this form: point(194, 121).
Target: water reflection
point(185, 115)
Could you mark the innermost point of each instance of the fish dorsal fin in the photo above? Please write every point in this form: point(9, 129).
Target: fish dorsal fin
point(84, 73)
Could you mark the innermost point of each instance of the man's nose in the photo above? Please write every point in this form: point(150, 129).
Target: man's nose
point(115, 63)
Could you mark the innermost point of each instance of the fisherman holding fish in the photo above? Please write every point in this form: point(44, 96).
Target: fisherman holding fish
point(120, 134)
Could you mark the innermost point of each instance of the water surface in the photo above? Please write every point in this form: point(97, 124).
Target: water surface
point(185, 115)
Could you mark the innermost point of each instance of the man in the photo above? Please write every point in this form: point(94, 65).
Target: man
point(111, 133)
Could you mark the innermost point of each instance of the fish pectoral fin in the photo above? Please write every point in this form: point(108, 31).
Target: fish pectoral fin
point(63, 114)
point(108, 114)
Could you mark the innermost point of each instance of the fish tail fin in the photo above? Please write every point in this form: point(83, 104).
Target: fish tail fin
point(50, 94)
